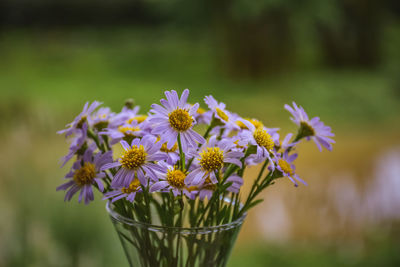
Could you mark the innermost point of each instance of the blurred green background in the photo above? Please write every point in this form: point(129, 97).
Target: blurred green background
point(339, 59)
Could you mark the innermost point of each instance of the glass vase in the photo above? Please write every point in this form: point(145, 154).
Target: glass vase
point(149, 245)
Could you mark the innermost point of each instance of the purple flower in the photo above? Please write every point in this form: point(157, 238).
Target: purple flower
point(77, 143)
point(211, 159)
point(311, 129)
point(171, 179)
point(80, 120)
point(221, 113)
point(172, 155)
point(260, 138)
point(203, 116)
point(125, 115)
point(137, 162)
point(101, 118)
point(128, 192)
point(176, 117)
point(85, 173)
point(285, 166)
point(127, 131)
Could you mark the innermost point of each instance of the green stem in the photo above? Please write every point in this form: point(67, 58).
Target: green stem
point(182, 156)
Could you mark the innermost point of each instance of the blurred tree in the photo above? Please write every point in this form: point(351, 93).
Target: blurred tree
point(349, 32)
point(255, 37)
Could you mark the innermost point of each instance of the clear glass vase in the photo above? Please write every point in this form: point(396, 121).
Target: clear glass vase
point(149, 245)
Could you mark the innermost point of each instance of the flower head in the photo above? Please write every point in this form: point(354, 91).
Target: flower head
point(101, 118)
point(137, 161)
point(262, 139)
point(82, 119)
point(211, 159)
point(128, 192)
point(220, 112)
point(175, 117)
point(284, 165)
point(311, 128)
point(85, 173)
point(171, 179)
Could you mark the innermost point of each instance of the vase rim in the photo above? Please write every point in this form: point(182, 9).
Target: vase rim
point(185, 230)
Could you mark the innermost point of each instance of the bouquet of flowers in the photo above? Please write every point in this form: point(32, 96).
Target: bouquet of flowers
point(158, 170)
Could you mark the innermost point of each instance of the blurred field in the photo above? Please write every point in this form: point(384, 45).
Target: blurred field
point(46, 76)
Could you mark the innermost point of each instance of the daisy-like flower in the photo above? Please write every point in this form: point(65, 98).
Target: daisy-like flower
point(125, 114)
point(176, 117)
point(311, 128)
point(172, 179)
point(137, 161)
point(127, 131)
point(208, 188)
point(128, 192)
point(203, 116)
point(255, 122)
point(80, 120)
point(101, 118)
point(85, 173)
point(211, 159)
point(262, 139)
point(172, 153)
point(78, 144)
point(220, 112)
point(285, 166)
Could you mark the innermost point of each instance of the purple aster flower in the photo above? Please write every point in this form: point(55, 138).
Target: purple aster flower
point(285, 166)
point(127, 131)
point(220, 112)
point(85, 173)
point(211, 159)
point(78, 143)
point(262, 139)
point(77, 124)
point(203, 116)
point(101, 118)
point(176, 117)
point(171, 179)
point(128, 192)
point(125, 115)
point(311, 129)
point(137, 161)
point(172, 154)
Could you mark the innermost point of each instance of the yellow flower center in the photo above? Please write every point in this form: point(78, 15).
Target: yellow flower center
point(164, 148)
point(180, 120)
point(133, 187)
point(139, 119)
point(263, 139)
point(134, 158)
point(285, 166)
point(222, 114)
point(306, 129)
point(211, 159)
point(127, 130)
point(201, 110)
point(85, 174)
point(176, 178)
point(208, 185)
point(258, 124)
